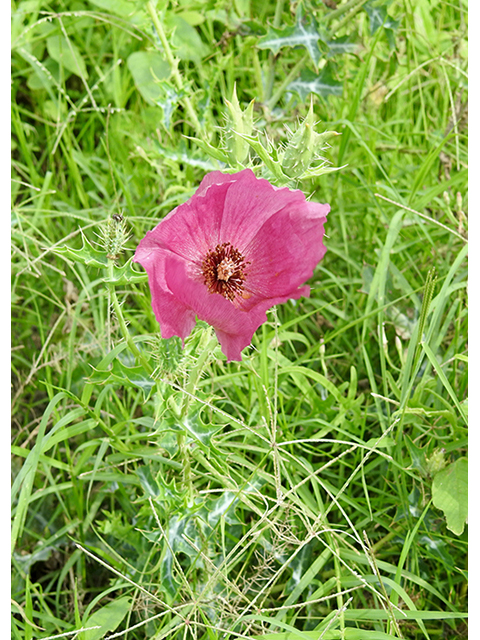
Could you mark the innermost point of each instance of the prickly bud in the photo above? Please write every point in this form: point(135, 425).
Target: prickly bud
point(114, 235)
point(436, 462)
point(240, 122)
point(303, 146)
point(169, 356)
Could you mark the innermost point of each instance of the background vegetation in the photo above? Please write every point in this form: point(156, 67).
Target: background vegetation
point(316, 489)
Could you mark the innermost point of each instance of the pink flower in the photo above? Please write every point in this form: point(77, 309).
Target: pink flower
point(238, 247)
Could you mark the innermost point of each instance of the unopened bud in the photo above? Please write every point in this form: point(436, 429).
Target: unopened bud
point(114, 235)
point(384, 340)
point(241, 122)
point(459, 201)
point(303, 146)
point(436, 462)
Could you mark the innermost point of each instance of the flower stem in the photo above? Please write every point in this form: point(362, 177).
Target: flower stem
point(121, 321)
point(290, 77)
point(277, 20)
point(177, 78)
point(208, 342)
point(351, 4)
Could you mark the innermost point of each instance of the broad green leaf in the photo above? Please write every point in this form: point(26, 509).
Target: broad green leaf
point(45, 76)
point(67, 54)
point(450, 494)
point(148, 69)
point(186, 42)
point(322, 84)
point(107, 618)
point(300, 35)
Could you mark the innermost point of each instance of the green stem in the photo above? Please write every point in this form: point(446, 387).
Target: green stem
point(123, 327)
point(277, 20)
point(291, 76)
point(177, 78)
point(208, 342)
point(352, 4)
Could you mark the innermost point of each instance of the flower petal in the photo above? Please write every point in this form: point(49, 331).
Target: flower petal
point(174, 317)
point(284, 252)
point(190, 230)
point(249, 203)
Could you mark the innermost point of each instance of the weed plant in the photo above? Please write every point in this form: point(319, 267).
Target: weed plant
point(317, 488)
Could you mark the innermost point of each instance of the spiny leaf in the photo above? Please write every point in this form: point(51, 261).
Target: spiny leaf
point(126, 274)
point(301, 35)
point(182, 154)
point(340, 46)
point(322, 84)
point(379, 17)
point(124, 376)
point(86, 255)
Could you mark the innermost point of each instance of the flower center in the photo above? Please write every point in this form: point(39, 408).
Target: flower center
point(223, 270)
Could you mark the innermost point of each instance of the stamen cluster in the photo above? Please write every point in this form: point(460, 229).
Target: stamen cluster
point(223, 271)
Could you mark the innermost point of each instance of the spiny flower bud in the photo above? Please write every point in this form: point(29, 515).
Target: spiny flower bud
point(303, 146)
point(114, 235)
point(240, 122)
point(436, 462)
point(169, 356)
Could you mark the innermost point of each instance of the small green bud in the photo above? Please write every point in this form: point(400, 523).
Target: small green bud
point(114, 235)
point(303, 146)
point(169, 355)
point(436, 462)
point(238, 121)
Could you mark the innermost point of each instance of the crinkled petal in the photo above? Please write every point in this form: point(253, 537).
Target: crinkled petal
point(284, 253)
point(249, 203)
point(225, 208)
point(174, 317)
point(234, 328)
point(191, 229)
